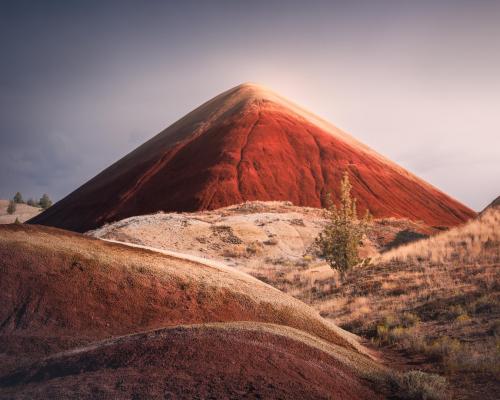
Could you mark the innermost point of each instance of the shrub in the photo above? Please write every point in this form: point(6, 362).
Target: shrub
point(271, 242)
point(399, 334)
point(302, 262)
point(409, 319)
point(401, 330)
point(480, 357)
point(462, 319)
point(443, 347)
point(339, 242)
point(253, 249)
point(279, 261)
point(11, 208)
point(383, 333)
point(418, 385)
point(32, 203)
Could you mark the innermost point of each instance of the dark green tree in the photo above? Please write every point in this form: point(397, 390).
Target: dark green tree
point(32, 203)
point(45, 201)
point(11, 208)
point(18, 198)
point(341, 238)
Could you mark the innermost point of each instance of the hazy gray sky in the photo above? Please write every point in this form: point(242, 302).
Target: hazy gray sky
point(84, 82)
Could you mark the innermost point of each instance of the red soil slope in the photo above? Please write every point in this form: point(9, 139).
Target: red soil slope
point(221, 361)
point(61, 289)
point(249, 144)
point(154, 326)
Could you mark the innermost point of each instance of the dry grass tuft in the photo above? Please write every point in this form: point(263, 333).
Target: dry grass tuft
point(418, 385)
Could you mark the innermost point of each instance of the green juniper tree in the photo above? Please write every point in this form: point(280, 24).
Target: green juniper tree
point(11, 208)
point(340, 240)
point(45, 201)
point(18, 198)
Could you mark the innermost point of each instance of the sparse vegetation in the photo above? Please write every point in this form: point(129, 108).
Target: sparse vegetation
point(32, 203)
point(339, 242)
point(436, 301)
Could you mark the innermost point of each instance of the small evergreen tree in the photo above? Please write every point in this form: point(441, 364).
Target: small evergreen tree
point(11, 208)
point(18, 198)
point(339, 242)
point(17, 221)
point(32, 203)
point(45, 201)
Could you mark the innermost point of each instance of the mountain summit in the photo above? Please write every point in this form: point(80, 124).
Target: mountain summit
point(249, 143)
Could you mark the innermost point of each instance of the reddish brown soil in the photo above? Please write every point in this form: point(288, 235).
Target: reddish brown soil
point(204, 362)
point(61, 290)
point(249, 144)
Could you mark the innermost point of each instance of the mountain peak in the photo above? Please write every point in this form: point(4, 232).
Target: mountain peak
point(253, 86)
point(246, 144)
point(251, 90)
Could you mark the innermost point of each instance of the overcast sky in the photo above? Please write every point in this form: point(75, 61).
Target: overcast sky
point(84, 82)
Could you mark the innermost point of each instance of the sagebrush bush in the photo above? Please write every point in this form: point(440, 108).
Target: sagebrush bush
point(418, 385)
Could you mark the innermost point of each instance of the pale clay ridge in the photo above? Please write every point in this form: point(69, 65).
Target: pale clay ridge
point(189, 257)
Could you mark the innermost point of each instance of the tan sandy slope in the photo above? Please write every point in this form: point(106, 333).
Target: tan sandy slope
point(23, 212)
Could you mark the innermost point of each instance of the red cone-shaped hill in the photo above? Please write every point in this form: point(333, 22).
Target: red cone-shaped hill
point(249, 143)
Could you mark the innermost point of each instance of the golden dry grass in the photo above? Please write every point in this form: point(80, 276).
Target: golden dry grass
point(438, 298)
point(474, 242)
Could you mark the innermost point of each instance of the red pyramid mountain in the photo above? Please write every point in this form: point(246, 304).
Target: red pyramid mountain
point(249, 143)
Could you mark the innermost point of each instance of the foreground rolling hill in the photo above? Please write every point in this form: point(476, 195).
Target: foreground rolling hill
point(248, 143)
point(224, 360)
point(82, 318)
point(433, 304)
